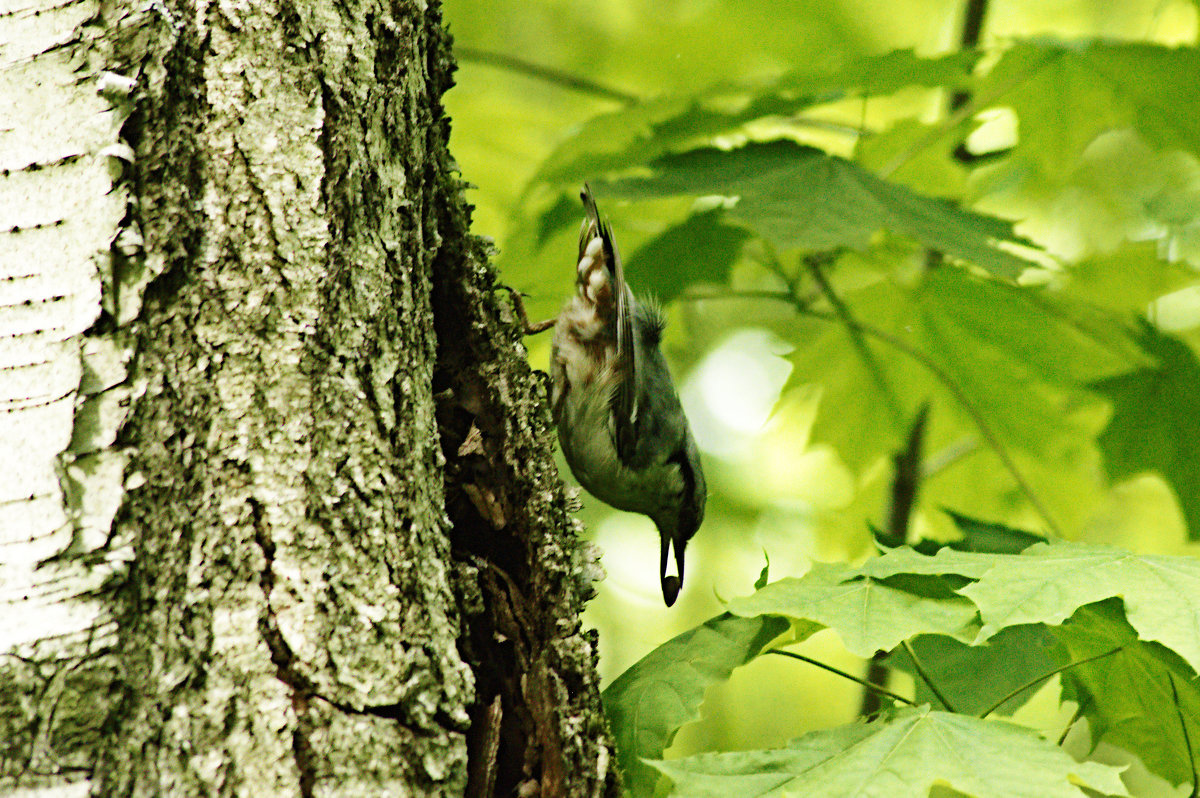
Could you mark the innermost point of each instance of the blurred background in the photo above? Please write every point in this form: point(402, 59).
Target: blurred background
point(797, 469)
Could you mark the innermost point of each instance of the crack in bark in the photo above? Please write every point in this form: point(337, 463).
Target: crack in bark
point(284, 659)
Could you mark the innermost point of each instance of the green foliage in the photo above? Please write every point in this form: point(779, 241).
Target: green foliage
point(649, 130)
point(1009, 234)
point(649, 702)
point(870, 615)
point(1065, 94)
point(1117, 660)
point(1128, 699)
point(842, 205)
point(904, 754)
point(976, 678)
point(1154, 425)
point(703, 249)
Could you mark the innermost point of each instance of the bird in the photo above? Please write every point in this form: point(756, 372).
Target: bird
point(620, 423)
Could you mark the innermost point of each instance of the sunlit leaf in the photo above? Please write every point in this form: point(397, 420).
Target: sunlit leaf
point(868, 615)
point(1129, 279)
point(1049, 581)
point(904, 755)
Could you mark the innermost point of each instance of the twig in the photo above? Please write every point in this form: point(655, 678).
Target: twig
point(549, 74)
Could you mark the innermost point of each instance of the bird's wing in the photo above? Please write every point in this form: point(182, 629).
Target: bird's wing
point(625, 399)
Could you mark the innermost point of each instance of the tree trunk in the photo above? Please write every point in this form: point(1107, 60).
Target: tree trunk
point(342, 563)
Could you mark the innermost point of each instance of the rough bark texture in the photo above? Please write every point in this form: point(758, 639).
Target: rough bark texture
point(351, 569)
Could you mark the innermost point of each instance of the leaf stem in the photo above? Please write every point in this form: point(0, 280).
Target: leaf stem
point(844, 675)
point(1074, 719)
point(920, 669)
point(1187, 740)
point(1043, 677)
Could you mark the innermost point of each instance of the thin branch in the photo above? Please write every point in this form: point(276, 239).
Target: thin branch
point(558, 77)
point(1044, 676)
point(844, 675)
point(920, 669)
point(906, 482)
point(939, 461)
point(964, 113)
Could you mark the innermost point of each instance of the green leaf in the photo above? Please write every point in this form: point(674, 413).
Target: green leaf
point(1020, 356)
point(1154, 423)
point(1048, 582)
point(905, 755)
point(974, 678)
point(763, 575)
point(1067, 93)
point(648, 703)
point(1017, 358)
point(802, 198)
point(639, 133)
point(868, 615)
point(702, 249)
point(1129, 279)
point(1127, 697)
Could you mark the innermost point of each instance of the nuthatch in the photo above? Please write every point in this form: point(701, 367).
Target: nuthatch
point(619, 419)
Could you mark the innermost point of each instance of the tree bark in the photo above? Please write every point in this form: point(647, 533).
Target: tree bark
point(343, 562)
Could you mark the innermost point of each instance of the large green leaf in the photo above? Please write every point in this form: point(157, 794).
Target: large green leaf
point(803, 198)
point(701, 250)
point(905, 755)
point(1127, 697)
point(1008, 356)
point(1067, 93)
point(1155, 426)
point(1019, 356)
point(648, 703)
point(1049, 581)
point(868, 615)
